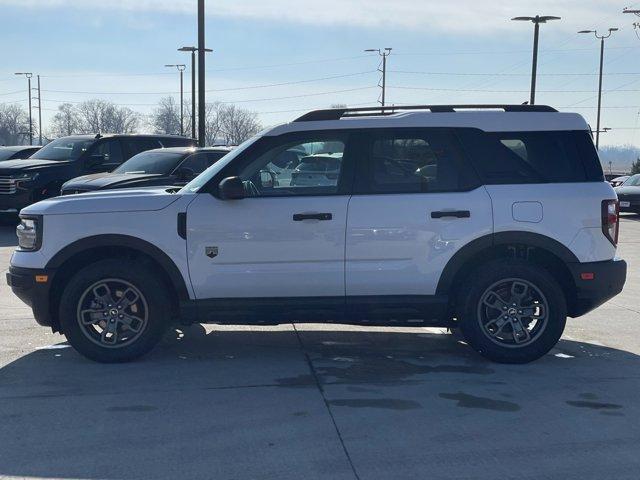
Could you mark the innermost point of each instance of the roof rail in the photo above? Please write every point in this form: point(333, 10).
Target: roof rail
point(338, 113)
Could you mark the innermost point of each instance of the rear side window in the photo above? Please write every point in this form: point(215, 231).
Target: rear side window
point(140, 144)
point(533, 157)
point(177, 142)
point(413, 161)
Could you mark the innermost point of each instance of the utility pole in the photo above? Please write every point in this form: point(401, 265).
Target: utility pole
point(537, 20)
point(384, 53)
point(193, 51)
point(181, 67)
point(39, 113)
point(29, 75)
point(602, 38)
point(201, 74)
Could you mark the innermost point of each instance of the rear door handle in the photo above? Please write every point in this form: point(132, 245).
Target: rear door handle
point(298, 217)
point(451, 213)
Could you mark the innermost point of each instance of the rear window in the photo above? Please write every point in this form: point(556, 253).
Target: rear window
point(533, 157)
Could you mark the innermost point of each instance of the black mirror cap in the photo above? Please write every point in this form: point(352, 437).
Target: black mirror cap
point(231, 188)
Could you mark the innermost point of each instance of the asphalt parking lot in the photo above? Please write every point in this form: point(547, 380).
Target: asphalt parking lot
point(324, 402)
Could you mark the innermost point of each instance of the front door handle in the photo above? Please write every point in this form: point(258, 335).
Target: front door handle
point(451, 213)
point(298, 217)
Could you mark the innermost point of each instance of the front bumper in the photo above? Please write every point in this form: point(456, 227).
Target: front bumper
point(28, 285)
point(596, 282)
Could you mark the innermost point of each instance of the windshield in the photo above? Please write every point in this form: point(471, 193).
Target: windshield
point(6, 153)
point(68, 148)
point(633, 181)
point(159, 163)
point(194, 185)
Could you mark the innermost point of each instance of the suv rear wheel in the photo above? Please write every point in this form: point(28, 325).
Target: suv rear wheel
point(112, 311)
point(512, 311)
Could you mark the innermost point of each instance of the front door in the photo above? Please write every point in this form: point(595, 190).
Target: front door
point(287, 238)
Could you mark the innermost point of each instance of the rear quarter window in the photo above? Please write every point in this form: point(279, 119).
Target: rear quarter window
point(533, 157)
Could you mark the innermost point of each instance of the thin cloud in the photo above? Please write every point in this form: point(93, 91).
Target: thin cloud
point(461, 16)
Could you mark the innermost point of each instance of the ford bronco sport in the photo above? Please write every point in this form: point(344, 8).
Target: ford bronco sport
point(492, 219)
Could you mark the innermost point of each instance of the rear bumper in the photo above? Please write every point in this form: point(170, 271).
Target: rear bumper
point(35, 294)
point(607, 281)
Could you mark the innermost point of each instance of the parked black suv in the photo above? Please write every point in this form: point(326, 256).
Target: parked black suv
point(23, 182)
point(18, 151)
point(164, 166)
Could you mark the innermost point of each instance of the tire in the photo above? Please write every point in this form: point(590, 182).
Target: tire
point(114, 310)
point(503, 339)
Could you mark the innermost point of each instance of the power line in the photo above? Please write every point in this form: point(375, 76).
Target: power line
point(487, 74)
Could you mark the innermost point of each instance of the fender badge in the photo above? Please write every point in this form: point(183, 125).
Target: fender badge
point(211, 252)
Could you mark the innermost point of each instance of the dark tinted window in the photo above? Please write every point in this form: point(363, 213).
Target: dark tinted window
point(65, 148)
point(197, 162)
point(140, 144)
point(177, 142)
point(106, 154)
point(533, 157)
point(413, 161)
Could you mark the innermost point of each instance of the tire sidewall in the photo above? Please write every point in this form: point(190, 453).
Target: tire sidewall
point(493, 272)
point(138, 275)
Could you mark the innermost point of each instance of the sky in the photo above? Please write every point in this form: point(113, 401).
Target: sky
point(281, 58)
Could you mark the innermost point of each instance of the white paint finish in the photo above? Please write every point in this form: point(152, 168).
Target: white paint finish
point(489, 121)
point(568, 209)
point(158, 226)
point(530, 212)
point(591, 247)
point(262, 251)
point(394, 247)
point(108, 201)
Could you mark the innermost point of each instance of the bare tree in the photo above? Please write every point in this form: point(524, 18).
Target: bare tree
point(213, 124)
point(100, 116)
point(14, 125)
point(166, 118)
point(238, 124)
point(66, 121)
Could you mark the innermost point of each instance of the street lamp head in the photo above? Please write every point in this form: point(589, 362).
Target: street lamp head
point(187, 49)
point(26, 74)
point(524, 19)
point(587, 31)
point(372, 50)
point(548, 18)
point(615, 29)
point(628, 10)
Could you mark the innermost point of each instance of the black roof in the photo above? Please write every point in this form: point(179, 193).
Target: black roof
point(338, 113)
point(18, 148)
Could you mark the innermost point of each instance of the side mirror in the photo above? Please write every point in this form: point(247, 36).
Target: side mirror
point(185, 174)
point(231, 188)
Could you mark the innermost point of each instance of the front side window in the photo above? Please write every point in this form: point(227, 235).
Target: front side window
point(106, 154)
point(633, 181)
point(418, 161)
point(306, 166)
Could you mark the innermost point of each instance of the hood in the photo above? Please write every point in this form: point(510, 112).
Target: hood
point(132, 200)
point(629, 190)
point(9, 167)
point(113, 180)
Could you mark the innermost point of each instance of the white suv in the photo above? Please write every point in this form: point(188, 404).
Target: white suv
point(492, 219)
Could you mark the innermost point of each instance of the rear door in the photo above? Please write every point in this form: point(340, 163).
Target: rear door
point(416, 202)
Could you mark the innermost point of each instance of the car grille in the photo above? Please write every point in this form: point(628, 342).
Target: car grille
point(7, 185)
point(633, 197)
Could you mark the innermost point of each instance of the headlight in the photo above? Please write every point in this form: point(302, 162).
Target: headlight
point(29, 233)
point(25, 178)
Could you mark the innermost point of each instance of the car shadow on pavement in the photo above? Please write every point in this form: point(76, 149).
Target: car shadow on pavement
point(282, 402)
point(8, 235)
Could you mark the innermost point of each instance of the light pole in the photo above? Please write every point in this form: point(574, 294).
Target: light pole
point(193, 51)
point(636, 25)
point(29, 75)
point(384, 53)
point(201, 73)
point(181, 67)
point(602, 38)
point(537, 20)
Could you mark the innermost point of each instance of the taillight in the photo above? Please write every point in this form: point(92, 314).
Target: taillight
point(610, 220)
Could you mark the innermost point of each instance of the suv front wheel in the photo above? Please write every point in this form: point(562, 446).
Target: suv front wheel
point(114, 311)
point(511, 311)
